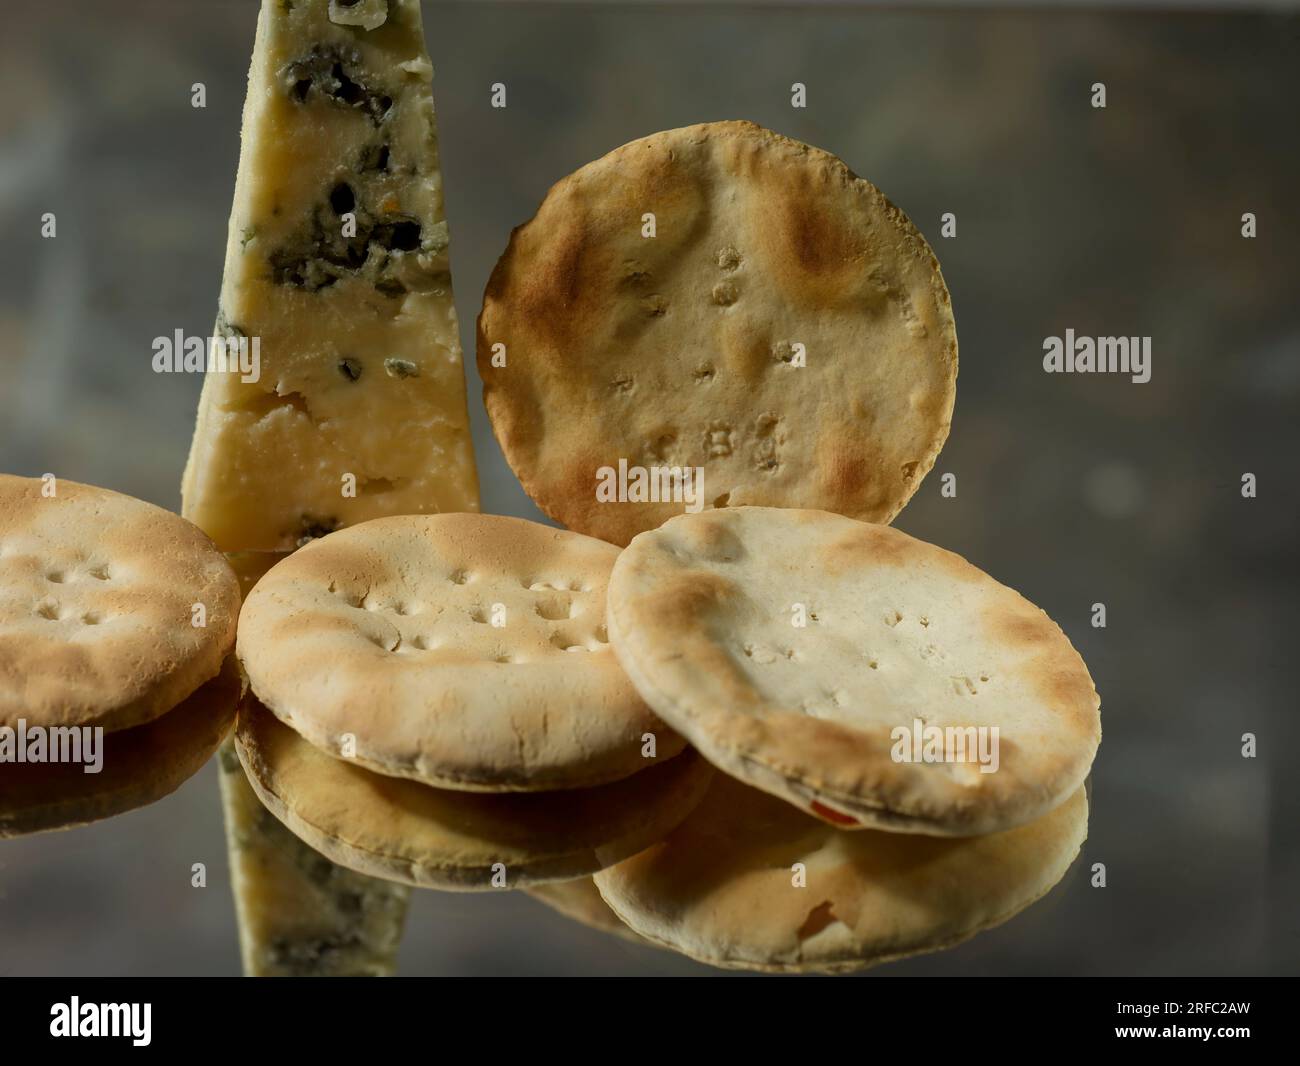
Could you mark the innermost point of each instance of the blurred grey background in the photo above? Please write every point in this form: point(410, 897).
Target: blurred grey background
point(1073, 489)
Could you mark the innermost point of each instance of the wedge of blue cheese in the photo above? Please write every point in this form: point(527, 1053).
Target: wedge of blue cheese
point(337, 269)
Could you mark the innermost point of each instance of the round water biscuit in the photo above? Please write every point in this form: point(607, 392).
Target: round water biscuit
point(866, 676)
point(724, 301)
point(112, 610)
point(465, 651)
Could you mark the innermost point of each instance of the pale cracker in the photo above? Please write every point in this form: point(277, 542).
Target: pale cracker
point(99, 596)
point(466, 651)
point(705, 616)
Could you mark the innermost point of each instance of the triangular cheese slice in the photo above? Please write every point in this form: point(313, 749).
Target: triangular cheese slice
point(337, 293)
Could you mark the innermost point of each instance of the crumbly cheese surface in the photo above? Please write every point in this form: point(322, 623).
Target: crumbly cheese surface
point(337, 265)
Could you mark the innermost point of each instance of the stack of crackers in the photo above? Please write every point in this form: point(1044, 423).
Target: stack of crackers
point(781, 735)
point(432, 699)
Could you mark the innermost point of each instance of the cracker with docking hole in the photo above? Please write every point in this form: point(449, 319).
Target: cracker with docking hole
point(439, 838)
point(474, 644)
point(722, 889)
point(704, 612)
point(786, 329)
point(140, 765)
point(97, 595)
